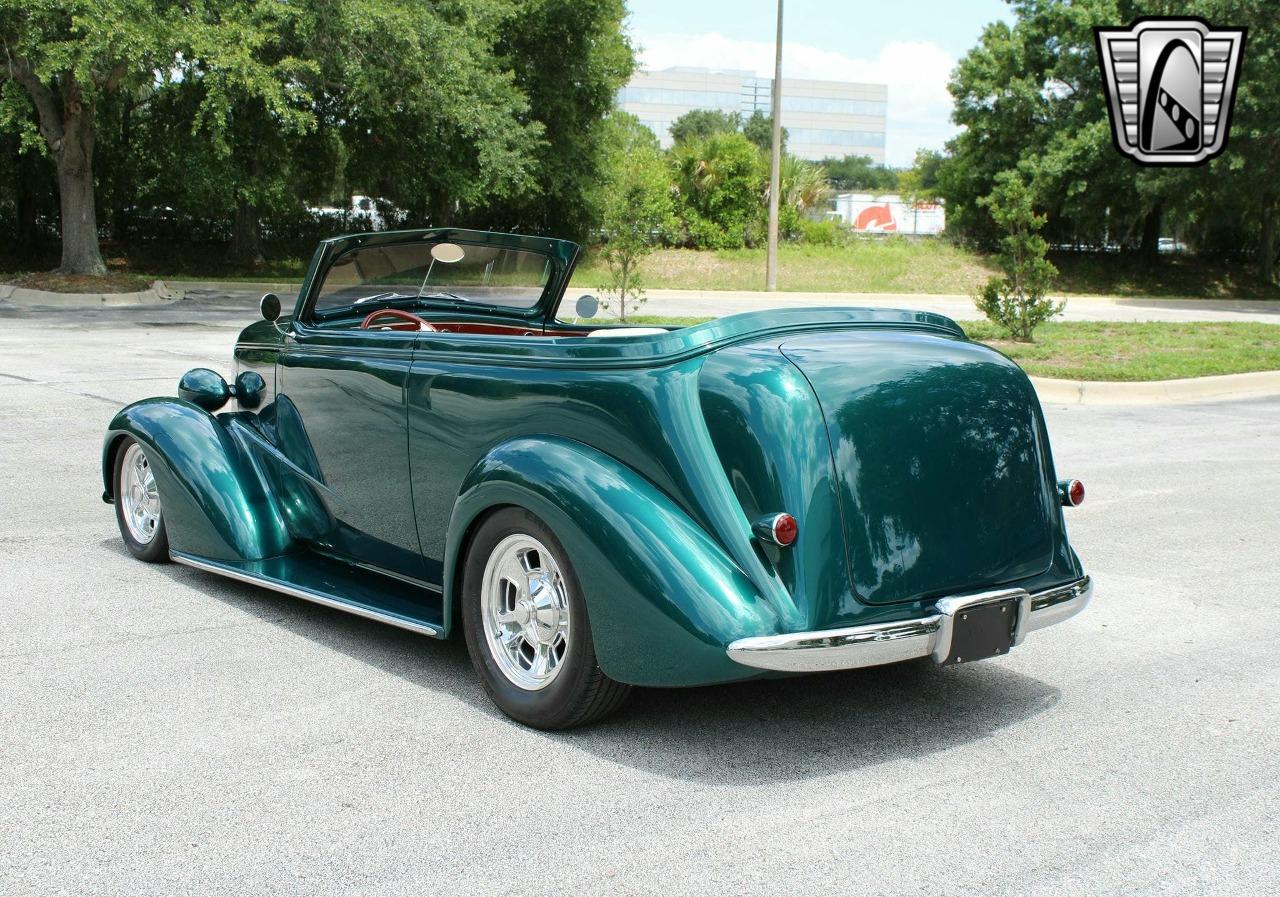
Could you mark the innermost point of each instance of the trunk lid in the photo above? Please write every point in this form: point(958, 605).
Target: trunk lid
point(942, 467)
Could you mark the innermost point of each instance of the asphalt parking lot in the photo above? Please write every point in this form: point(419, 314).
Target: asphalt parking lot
point(167, 732)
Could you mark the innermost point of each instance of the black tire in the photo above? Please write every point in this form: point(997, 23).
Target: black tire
point(155, 550)
point(580, 693)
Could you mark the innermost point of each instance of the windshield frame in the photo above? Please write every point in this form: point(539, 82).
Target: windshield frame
point(561, 255)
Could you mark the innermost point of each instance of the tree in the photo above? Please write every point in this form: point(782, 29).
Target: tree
point(636, 208)
point(720, 183)
point(27, 188)
point(1029, 97)
point(253, 97)
point(67, 57)
point(859, 173)
point(919, 183)
point(1247, 178)
point(318, 100)
point(1016, 300)
point(700, 124)
point(568, 58)
point(431, 115)
point(759, 130)
point(804, 188)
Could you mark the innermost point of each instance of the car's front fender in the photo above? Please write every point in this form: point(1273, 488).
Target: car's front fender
point(215, 505)
point(663, 597)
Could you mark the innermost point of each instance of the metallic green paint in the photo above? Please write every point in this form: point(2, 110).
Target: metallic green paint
point(250, 387)
point(914, 461)
point(215, 505)
point(771, 439)
point(663, 596)
point(944, 478)
point(346, 428)
point(203, 387)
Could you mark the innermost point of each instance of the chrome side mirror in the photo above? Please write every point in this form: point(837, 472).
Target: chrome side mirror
point(587, 306)
point(269, 306)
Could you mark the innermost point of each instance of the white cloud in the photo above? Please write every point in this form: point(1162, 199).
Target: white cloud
point(915, 71)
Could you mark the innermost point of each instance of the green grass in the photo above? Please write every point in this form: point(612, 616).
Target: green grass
point(902, 265)
point(893, 265)
point(1087, 350)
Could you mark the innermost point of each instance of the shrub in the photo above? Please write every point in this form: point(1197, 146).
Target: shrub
point(635, 208)
point(828, 232)
point(720, 183)
point(1016, 300)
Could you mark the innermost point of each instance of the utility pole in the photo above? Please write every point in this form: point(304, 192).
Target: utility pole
point(775, 164)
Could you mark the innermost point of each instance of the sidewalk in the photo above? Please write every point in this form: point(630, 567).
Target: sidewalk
point(1079, 308)
point(717, 303)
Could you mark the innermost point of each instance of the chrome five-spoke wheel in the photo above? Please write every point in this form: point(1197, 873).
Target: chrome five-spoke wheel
point(526, 612)
point(527, 627)
point(137, 500)
point(139, 495)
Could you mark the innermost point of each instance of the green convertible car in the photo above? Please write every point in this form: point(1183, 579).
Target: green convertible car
point(434, 439)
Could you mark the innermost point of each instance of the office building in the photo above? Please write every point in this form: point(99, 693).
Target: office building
point(823, 118)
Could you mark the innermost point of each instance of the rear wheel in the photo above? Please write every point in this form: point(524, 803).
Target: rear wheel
point(138, 509)
point(526, 626)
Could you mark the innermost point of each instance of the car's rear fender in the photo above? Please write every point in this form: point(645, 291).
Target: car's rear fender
point(663, 596)
point(215, 503)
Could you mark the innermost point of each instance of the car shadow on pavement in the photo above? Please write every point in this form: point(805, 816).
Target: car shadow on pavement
point(760, 731)
point(806, 726)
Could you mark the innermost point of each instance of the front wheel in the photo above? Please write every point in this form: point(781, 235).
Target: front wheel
point(138, 510)
point(526, 626)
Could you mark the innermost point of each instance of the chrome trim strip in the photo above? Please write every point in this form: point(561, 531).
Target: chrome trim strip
point(285, 588)
point(930, 636)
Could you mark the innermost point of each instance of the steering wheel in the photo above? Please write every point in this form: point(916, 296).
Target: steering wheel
point(408, 320)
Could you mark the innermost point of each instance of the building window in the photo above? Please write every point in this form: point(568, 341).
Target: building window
point(694, 99)
point(836, 138)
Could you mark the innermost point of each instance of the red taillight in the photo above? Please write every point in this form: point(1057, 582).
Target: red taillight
point(1072, 493)
point(778, 529)
point(785, 529)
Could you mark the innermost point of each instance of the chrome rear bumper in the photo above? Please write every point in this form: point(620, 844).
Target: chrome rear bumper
point(879, 643)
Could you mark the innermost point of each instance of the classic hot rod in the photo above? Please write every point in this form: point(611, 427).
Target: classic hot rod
point(433, 440)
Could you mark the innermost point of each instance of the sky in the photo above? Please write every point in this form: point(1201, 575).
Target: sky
point(910, 46)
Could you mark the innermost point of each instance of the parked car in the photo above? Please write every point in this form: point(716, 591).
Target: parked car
point(434, 440)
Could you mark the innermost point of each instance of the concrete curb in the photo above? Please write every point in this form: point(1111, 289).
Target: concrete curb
point(158, 294)
point(285, 289)
point(1259, 384)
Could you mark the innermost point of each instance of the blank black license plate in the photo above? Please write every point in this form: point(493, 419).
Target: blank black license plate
point(982, 631)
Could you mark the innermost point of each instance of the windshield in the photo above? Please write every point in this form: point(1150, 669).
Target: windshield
point(482, 275)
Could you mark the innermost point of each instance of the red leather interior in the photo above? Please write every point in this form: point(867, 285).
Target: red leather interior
point(408, 320)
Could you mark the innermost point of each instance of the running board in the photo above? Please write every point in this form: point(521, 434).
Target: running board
point(324, 581)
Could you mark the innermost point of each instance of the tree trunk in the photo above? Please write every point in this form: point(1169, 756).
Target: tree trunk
point(1149, 250)
point(1267, 244)
point(80, 253)
point(246, 242)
